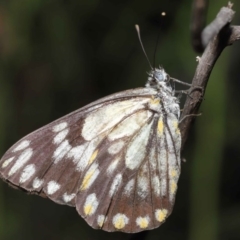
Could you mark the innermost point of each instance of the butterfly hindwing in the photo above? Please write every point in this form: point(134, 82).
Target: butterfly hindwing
point(116, 160)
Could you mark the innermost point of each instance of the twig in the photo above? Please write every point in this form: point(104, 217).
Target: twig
point(226, 36)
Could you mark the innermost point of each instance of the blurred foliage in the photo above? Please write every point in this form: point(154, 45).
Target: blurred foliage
point(56, 56)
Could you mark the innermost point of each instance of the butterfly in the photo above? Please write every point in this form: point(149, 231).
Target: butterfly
point(116, 160)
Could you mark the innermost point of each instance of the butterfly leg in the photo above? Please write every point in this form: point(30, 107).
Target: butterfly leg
point(190, 115)
point(189, 91)
point(181, 82)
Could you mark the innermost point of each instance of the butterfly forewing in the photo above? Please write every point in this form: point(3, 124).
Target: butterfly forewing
point(117, 160)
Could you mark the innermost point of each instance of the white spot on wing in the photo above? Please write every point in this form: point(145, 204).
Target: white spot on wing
point(37, 183)
point(27, 173)
point(88, 151)
point(153, 158)
point(22, 159)
point(68, 197)
point(174, 144)
point(113, 165)
point(129, 187)
point(76, 153)
point(137, 148)
point(120, 221)
point(60, 136)
point(52, 187)
point(59, 127)
point(101, 219)
point(173, 125)
point(156, 185)
point(162, 163)
point(116, 147)
point(143, 222)
point(22, 145)
point(143, 186)
point(7, 161)
point(61, 151)
point(163, 186)
point(130, 125)
point(115, 185)
point(173, 189)
point(161, 214)
point(91, 204)
point(109, 115)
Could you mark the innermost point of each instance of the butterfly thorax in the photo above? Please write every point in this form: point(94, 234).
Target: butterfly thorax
point(160, 80)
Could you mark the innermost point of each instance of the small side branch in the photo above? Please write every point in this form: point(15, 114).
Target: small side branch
point(223, 18)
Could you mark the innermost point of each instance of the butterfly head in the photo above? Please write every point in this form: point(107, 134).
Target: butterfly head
point(157, 78)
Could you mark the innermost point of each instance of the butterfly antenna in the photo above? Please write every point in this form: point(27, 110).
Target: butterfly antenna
point(140, 40)
point(155, 50)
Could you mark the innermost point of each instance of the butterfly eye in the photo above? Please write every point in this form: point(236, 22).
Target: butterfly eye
point(160, 75)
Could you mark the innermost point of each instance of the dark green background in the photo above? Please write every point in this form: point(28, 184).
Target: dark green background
point(56, 56)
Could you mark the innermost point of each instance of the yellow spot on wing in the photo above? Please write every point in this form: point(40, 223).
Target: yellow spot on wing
point(173, 173)
point(161, 214)
point(101, 219)
point(175, 124)
point(160, 126)
point(92, 158)
point(88, 209)
point(142, 222)
point(155, 101)
point(90, 176)
point(6, 162)
point(119, 224)
point(120, 220)
point(86, 180)
point(173, 186)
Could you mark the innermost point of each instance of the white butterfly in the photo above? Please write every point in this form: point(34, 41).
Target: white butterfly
point(117, 160)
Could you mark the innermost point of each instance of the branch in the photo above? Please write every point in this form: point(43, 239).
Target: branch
point(227, 35)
